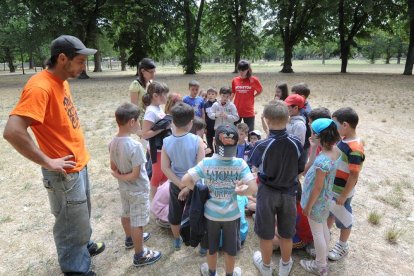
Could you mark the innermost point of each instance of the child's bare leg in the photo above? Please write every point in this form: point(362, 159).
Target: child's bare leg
point(286, 249)
point(266, 248)
point(344, 236)
point(175, 229)
point(126, 224)
point(136, 234)
point(212, 261)
point(229, 262)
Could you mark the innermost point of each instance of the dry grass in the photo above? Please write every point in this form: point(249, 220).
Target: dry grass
point(374, 218)
point(383, 101)
point(393, 234)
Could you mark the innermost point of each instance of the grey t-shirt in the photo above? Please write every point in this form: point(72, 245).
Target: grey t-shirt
point(127, 153)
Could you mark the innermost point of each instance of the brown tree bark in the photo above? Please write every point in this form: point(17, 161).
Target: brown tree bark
point(408, 70)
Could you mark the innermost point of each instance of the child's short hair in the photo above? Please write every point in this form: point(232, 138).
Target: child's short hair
point(301, 89)
point(320, 112)
point(212, 89)
point(225, 90)
point(193, 83)
point(198, 124)
point(346, 114)
point(243, 127)
point(277, 111)
point(182, 114)
point(126, 112)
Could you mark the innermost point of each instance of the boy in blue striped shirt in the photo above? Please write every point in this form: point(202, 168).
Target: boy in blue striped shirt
point(226, 177)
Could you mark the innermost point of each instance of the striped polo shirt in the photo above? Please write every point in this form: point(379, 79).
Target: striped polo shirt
point(352, 158)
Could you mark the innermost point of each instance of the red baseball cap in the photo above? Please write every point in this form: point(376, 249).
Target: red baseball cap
point(296, 100)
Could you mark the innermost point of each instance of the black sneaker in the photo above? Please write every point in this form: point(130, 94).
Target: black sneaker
point(148, 257)
point(129, 243)
point(96, 248)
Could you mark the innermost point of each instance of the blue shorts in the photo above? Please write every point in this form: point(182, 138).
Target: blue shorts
point(347, 205)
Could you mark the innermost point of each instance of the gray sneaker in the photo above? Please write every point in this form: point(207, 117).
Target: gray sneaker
point(237, 271)
point(284, 270)
point(258, 262)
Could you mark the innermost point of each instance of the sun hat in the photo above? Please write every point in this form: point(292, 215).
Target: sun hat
point(296, 100)
point(321, 124)
point(256, 132)
point(67, 44)
point(226, 140)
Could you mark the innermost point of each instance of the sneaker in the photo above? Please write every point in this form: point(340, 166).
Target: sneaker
point(284, 270)
point(204, 270)
point(237, 271)
point(202, 252)
point(177, 244)
point(162, 224)
point(258, 262)
point(95, 248)
point(310, 266)
point(129, 243)
point(148, 257)
point(338, 252)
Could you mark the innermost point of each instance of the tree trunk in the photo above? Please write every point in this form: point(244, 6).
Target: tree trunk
point(237, 35)
point(9, 59)
point(122, 57)
point(97, 59)
point(287, 61)
point(21, 57)
point(408, 70)
point(31, 66)
point(344, 57)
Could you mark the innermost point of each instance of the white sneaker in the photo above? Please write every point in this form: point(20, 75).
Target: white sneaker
point(338, 252)
point(237, 271)
point(204, 269)
point(258, 262)
point(310, 249)
point(284, 270)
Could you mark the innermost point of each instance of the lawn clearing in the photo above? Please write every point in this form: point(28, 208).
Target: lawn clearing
point(384, 103)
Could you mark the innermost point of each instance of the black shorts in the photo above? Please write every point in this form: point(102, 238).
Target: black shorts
point(230, 232)
point(271, 203)
point(175, 207)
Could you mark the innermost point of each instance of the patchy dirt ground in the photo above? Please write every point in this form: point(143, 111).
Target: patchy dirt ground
point(384, 102)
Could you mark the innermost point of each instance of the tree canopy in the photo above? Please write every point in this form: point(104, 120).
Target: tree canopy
point(190, 32)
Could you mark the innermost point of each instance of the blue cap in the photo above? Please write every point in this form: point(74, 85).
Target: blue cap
point(321, 124)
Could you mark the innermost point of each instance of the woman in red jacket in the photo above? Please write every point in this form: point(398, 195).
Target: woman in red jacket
point(245, 88)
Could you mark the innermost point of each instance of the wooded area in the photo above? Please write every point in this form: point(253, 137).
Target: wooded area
point(190, 32)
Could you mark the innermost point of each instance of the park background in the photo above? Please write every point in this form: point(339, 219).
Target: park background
point(126, 31)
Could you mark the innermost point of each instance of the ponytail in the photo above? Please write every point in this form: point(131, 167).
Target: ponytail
point(154, 88)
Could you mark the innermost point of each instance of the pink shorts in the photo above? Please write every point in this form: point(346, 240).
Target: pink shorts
point(158, 176)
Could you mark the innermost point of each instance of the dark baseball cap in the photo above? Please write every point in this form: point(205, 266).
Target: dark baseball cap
point(226, 140)
point(67, 44)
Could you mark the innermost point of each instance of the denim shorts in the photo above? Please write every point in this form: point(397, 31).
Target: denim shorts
point(347, 205)
point(135, 206)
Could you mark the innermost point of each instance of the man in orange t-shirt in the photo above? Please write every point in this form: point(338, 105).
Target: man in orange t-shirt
point(46, 106)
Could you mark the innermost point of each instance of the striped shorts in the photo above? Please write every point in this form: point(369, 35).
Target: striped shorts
point(136, 206)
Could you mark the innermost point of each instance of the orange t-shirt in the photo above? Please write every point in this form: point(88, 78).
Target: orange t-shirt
point(47, 100)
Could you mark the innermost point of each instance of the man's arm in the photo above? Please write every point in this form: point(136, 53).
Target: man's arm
point(15, 132)
point(188, 181)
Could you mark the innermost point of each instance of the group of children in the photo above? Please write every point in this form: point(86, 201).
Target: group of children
point(236, 162)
